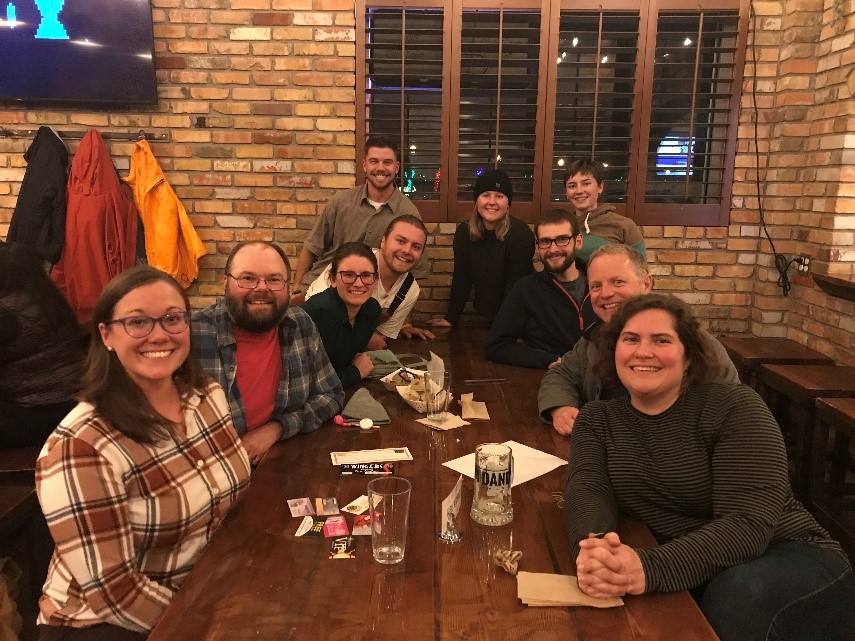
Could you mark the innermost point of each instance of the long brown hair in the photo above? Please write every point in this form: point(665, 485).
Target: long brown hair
point(106, 384)
point(699, 353)
point(477, 229)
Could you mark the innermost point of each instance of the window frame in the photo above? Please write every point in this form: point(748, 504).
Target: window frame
point(449, 209)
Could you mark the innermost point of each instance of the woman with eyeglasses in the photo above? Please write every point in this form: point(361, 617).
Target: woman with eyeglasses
point(492, 250)
point(41, 350)
point(138, 476)
point(346, 314)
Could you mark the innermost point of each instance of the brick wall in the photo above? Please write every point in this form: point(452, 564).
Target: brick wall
point(257, 101)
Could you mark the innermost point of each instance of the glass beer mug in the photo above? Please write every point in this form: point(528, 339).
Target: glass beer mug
point(494, 469)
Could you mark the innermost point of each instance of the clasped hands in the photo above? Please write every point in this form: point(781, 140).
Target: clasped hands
point(607, 568)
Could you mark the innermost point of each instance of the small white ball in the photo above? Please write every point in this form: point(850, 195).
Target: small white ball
point(366, 424)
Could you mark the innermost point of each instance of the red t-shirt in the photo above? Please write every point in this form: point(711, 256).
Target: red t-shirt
point(259, 369)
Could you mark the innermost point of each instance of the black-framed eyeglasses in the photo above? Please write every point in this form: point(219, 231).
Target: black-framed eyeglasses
point(348, 278)
point(560, 241)
point(274, 283)
point(142, 326)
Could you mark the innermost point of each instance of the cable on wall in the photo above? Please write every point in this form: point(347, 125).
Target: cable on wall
point(782, 265)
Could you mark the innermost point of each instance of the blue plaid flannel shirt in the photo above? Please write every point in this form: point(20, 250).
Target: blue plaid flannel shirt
point(309, 391)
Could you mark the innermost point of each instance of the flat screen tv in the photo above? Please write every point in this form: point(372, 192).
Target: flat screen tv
point(672, 156)
point(81, 51)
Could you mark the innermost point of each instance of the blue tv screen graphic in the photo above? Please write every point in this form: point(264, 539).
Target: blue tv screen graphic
point(92, 51)
point(672, 156)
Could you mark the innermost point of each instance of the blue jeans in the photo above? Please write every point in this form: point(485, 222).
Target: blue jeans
point(795, 591)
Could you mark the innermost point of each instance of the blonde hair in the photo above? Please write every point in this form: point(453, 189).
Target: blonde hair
point(477, 229)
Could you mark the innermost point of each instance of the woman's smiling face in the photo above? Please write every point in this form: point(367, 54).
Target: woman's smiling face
point(155, 357)
point(650, 360)
point(356, 293)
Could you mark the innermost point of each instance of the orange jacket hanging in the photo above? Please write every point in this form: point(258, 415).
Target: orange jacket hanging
point(100, 227)
point(171, 242)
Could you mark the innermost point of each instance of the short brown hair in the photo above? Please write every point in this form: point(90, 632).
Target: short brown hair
point(352, 249)
point(106, 384)
point(703, 366)
point(409, 219)
point(556, 216)
point(259, 243)
point(636, 258)
point(584, 166)
point(381, 141)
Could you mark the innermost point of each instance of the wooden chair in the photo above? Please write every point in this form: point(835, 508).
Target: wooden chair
point(832, 488)
point(791, 392)
point(748, 354)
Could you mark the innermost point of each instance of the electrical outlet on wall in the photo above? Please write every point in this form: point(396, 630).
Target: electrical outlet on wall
point(803, 264)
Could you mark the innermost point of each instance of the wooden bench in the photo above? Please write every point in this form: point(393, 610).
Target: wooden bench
point(24, 535)
point(832, 489)
point(18, 465)
point(748, 354)
point(791, 392)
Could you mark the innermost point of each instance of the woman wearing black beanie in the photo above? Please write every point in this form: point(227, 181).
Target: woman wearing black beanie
point(492, 250)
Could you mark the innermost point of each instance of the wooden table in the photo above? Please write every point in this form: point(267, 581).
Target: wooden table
point(257, 581)
point(832, 498)
point(792, 390)
point(748, 354)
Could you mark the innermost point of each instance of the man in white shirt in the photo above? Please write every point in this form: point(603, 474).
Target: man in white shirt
point(401, 248)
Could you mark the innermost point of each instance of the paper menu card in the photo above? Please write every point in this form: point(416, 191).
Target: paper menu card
point(529, 463)
point(372, 456)
point(538, 589)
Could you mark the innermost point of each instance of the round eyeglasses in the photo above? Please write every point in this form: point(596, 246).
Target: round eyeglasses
point(274, 283)
point(142, 326)
point(348, 278)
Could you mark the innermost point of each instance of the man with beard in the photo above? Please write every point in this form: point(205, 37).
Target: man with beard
point(360, 214)
point(397, 290)
point(267, 355)
point(546, 312)
point(616, 272)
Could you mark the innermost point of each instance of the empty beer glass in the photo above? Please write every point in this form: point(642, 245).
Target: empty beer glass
point(491, 501)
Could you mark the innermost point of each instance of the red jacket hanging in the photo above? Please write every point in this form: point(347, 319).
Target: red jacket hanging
point(100, 227)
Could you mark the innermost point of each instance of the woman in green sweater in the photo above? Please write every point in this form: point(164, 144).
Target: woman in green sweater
point(703, 465)
point(346, 315)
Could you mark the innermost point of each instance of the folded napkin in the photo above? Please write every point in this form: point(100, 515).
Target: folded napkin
point(537, 589)
point(473, 410)
point(384, 361)
point(448, 423)
point(363, 405)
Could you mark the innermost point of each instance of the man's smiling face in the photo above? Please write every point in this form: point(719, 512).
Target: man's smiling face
point(612, 279)
point(259, 309)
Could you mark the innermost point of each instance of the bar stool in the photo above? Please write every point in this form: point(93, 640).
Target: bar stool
point(790, 391)
point(748, 354)
point(832, 491)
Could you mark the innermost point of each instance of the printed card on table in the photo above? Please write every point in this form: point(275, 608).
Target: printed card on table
point(326, 506)
point(357, 506)
point(362, 525)
point(372, 456)
point(336, 526)
point(301, 507)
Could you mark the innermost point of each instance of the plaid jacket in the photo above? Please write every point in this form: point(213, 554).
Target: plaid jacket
point(130, 519)
point(309, 391)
